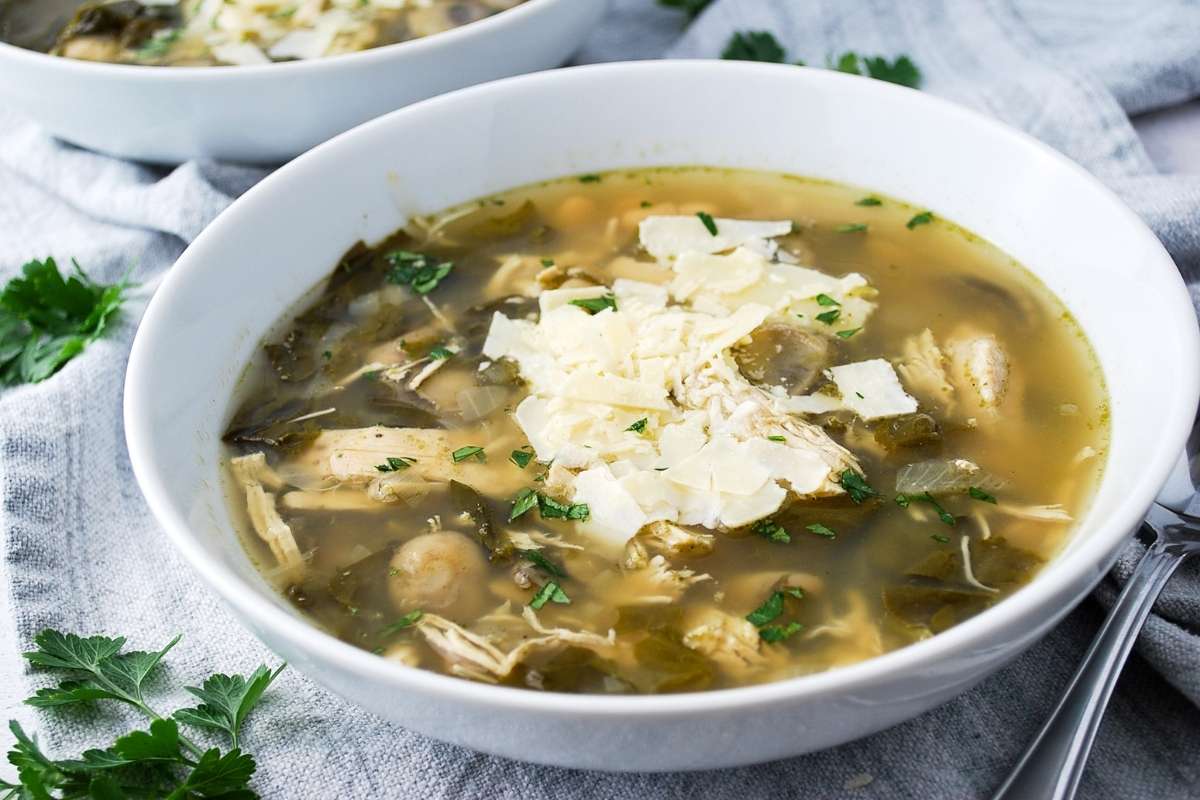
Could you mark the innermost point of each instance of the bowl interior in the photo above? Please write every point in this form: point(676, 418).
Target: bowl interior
point(259, 258)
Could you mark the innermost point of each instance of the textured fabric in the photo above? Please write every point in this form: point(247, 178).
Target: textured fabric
point(79, 550)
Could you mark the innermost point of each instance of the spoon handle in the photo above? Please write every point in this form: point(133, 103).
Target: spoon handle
point(1052, 766)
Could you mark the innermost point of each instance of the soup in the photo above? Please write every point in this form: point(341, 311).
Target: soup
point(229, 32)
point(663, 431)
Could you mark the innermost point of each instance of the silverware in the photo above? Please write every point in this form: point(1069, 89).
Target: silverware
point(1051, 767)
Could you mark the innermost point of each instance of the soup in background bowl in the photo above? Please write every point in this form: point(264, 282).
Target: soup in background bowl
point(663, 431)
point(253, 271)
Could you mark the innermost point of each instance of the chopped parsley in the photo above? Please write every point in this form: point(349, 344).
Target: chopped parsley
point(639, 426)
point(868, 201)
point(646, 204)
point(710, 224)
point(829, 317)
point(589, 178)
point(777, 437)
point(770, 529)
point(851, 227)
point(937, 537)
point(980, 494)
point(846, 334)
point(470, 451)
point(690, 7)
point(158, 44)
point(944, 515)
point(594, 305)
point(521, 458)
point(407, 621)
point(856, 486)
point(547, 262)
point(395, 464)
point(924, 218)
point(754, 46)
point(550, 593)
point(826, 300)
point(771, 608)
point(327, 354)
point(417, 271)
point(821, 530)
point(525, 500)
point(778, 633)
point(536, 558)
point(550, 508)
point(439, 353)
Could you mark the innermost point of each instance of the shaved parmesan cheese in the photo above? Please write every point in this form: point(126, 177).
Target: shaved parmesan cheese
point(667, 238)
point(871, 389)
point(240, 54)
point(613, 514)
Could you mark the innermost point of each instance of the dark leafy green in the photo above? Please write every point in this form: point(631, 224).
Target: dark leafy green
point(754, 46)
point(417, 271)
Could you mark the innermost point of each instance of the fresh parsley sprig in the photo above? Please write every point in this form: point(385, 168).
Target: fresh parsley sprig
point(763, 46)
point(46, 319)
point(157, 762)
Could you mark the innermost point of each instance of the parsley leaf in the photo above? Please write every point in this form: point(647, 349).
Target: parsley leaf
point(439, 353)
point(869, 201)
point(924, 218)
point(777, 437)
point(826, 300)
point(550, 593)
point(395, 464)
point(46, 320)
point(417, 271)
point(846, 334)
point(521, 458)
point(470, 451)
point(820, 530)
point(405, 622)
point(754, 46)
point(594, 305)
point(771, 608)
point(225, 700)
point(902, 71)
point(550, 508)
point(829, 317)
point(937, 537)
point(525, 500)
point(856, 486)
point(639, 426)
point(980, 494)
point(769, 611)
point(589, 178)
point(944, 515)
point(540, 561)
point(777, 633)
point(770, 529)
point(710, 224)
point(690, 7)
point(851, 227)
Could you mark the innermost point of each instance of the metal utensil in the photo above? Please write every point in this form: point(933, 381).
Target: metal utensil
point(1051, 767)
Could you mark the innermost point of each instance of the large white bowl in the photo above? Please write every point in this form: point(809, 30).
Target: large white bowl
point(268, 114)
point(274, 244)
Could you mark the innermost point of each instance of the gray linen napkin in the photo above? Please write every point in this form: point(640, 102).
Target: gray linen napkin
point(79, 550)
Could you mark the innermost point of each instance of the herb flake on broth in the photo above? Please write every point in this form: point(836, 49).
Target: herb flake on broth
point(662, 431)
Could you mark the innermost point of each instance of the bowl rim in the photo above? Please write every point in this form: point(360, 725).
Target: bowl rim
point(449, 38)
point(1083, 565)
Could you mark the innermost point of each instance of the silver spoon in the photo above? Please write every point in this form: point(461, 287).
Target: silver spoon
point(1051, 767)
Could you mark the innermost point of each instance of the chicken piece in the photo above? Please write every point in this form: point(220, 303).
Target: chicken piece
point(922, 365)
point(730, 641)
point(656, 583)
point(475, 656)
point(979, 370)
point(336, 500)
point(251, 472)
point(354, 455)
point(436, 570)
point(402, 488)
point(672, 540)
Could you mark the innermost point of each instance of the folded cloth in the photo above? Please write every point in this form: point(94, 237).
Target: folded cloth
point(79, 550)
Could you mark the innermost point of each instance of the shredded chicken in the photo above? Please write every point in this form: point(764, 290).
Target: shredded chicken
point(922, 365)
point(253, 473)
point(979, 368)
point(656, 583)
point(732, 642)
point(670, 539)
point(1046, 513)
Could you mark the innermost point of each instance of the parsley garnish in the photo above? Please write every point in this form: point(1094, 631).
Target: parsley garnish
point(547, 262)
point(770, 610)
point(463, 453)
point(944, 515)
point(594, 305)
point(980, 494)
point(829, 317)
point(690, 7)
point(550, 593)
point(851, 227)
point(541, 562)
point(903, 501)
point(525, 500)
point(46, 320)
point(753, 46)
point(407, 621)
point(710, 224)
point(856, 486)
point(159, 43)
point(639, 426)
point(924, 218)
point(589, 178)
point(772, 530)
point(777, 633)
point(550, 508)
point(521, 458)
point(868, 201)
point(438, 353)
point(826, 300)
point(777, 437)
point(846, 334)
point(419, 272)
point(821, 530)
point(395, 464)
point(157, 762)
point(937, 537)
point(901, 71)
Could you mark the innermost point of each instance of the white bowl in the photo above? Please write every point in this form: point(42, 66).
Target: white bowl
point(270, 247)
point(268, 114)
